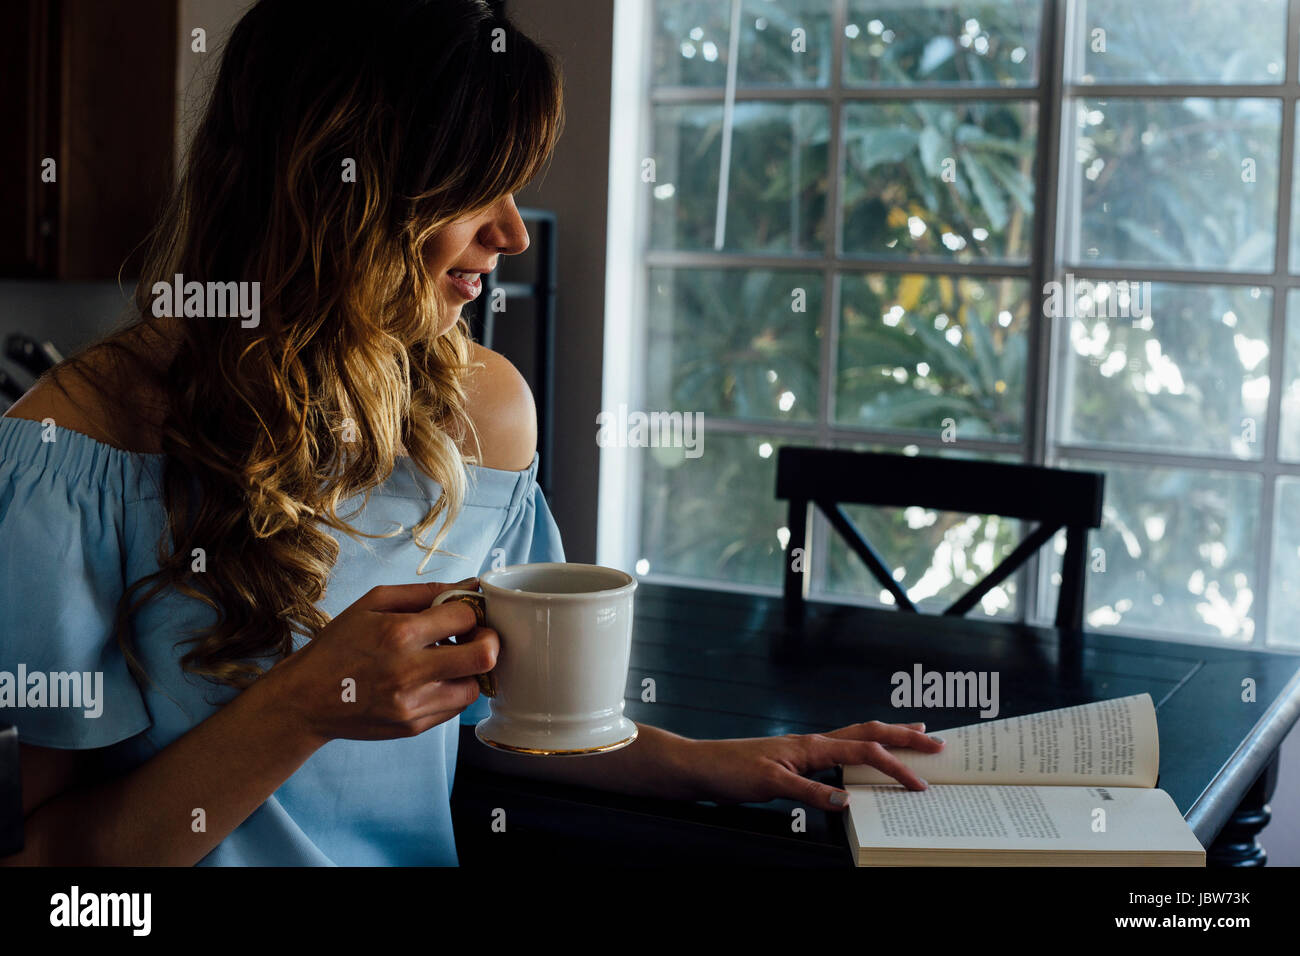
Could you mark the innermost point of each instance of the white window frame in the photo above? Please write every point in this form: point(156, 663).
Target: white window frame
point(629, 260)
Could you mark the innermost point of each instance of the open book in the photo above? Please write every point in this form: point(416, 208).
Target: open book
point(1071, 787)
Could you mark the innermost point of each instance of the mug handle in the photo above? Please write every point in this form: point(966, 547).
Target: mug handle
point(486, 682)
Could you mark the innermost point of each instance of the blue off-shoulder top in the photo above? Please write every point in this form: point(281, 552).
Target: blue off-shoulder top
point(80, 520)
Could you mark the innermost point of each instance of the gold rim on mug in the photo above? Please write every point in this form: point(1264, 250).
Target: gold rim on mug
point(559, 753)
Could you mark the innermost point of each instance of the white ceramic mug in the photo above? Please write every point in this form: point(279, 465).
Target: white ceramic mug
point(566, 640)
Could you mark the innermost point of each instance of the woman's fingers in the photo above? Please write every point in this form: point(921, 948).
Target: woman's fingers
point(857, 745)
point(918, 727)
point(440, 622)
point(825, 797)
point(811, 792)
point(409, 597)
point(439, 701)
point(474, 654)
point(890, 765)
point(891, 735)
point(839, 750)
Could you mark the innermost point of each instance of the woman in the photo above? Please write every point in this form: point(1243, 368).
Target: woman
point(178, 497)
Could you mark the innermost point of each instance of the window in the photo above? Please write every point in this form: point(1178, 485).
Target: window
point(1023, 230)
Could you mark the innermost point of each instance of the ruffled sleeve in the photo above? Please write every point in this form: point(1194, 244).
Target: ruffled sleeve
point(530, 536)
point(63, 680)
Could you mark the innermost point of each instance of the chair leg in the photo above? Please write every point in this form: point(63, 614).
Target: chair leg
point(1069, 601)
point(796, 564)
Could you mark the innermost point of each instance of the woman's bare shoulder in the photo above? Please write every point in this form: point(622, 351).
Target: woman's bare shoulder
point(500, 404)
point(74, 401)
point(502, 409)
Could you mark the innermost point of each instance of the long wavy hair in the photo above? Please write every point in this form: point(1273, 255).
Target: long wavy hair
point(440, 108)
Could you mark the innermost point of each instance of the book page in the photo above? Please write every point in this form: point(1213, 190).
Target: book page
point(1106, 743)
point(1063, 819)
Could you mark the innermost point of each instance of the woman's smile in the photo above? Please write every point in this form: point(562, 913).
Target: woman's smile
point(467, 284)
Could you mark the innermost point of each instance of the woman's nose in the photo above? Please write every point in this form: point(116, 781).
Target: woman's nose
point(506, 231)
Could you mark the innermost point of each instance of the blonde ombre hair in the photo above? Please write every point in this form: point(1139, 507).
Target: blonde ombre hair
point(445, 108)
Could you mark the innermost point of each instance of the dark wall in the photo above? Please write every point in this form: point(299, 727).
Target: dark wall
point(575, 188)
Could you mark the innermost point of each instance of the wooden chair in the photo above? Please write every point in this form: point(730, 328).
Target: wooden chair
point(1052, 497)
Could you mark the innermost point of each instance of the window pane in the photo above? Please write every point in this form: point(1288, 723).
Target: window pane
point(1177, 552)
point(929, 353)
point(715, 517)
point(731, 342)
point(1178, 367)
point(1284, 591)
point(691, 43)
point(1289, 438)
point(772, 53)
point(1184, 183)
point(936, 556)
point(971, 42)
point(1181, 41)
point(1295, 208)
point(927, 178)
point(777, 192)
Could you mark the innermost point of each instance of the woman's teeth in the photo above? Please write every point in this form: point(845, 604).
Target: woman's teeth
point(469, 284)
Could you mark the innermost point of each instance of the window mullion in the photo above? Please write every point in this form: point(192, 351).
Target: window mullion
point(728, 126)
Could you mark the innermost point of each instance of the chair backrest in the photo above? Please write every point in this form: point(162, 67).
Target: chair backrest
point(1054, 498)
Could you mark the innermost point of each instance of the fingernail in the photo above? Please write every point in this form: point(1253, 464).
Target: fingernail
point(924, 783)
point(937, 740)
point(839, 798)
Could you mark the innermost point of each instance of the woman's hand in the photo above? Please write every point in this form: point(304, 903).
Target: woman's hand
point(403, 681)
point(767, 768)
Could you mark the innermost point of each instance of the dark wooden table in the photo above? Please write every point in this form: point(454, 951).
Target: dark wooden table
point(723, 665)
